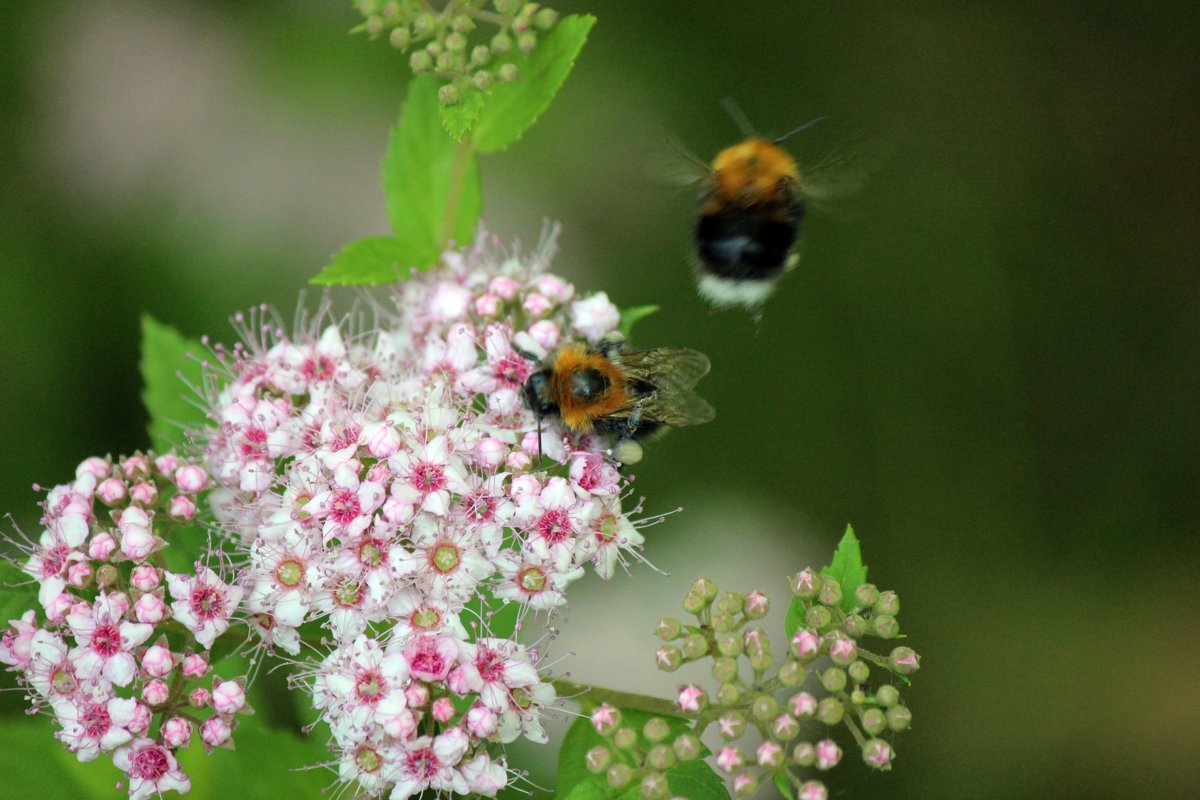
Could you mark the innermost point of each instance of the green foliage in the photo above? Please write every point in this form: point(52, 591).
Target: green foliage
point(168, 375)
point(631, 316)
point(240, 774)
point(794, 618)
point(18, 593)
point(514, 107)
point(460, 117)
point(373, 260)
point(783, 784)
point(847, 568)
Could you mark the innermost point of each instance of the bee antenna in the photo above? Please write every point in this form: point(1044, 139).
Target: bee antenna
point(794, 131)
point(734, 110)
point(539, 419)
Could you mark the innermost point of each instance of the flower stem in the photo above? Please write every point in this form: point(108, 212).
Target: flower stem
point(589, 697)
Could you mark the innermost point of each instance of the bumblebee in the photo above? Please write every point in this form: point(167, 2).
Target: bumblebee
point(629, 395)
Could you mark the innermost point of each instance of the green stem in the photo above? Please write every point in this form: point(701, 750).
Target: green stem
point(462, 159)
point(589, 697)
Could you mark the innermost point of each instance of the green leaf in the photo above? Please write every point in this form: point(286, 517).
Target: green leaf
point(18, 593)
point(269, 764)
point(367, 261)
point(458, 118)
point(630, 317)
point(696, 780)
point(847, 568)
point(32, 759)
point(513, 107)
point(574, 779)
point(169, 376)
point(783, 784)
point(794, 618)
point(431, 182)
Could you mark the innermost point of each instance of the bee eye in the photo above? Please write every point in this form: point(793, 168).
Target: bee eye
point(588, 384)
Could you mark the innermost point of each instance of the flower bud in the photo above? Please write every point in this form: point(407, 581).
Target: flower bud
point(527, 41)
point(706, 588)
point(482, 722)
point(400, 37)
point(199, 697)
point(885, 626)
point(804, 584)
point(107, 576)
point(144, 492)
point(424, 24)
point(730, 759)
point(136, 467)
point(155, 693)
point(182, 508)
point(764, 708)
point(859, 672)
point(501, 43)
point(101, 546)
point(724, 669)
point(456, 42)
point(806, 644)
point(828, 754)
point(686, 746)
point(619, 775)
point(813, 790)
point(598, 759)
point(731, 725)
point(215, 732)
point(507, 72)
point(899, 718)
point(854, 626)
point(462, 24)
point(625, 738)
point(830, 711)
point(149, 609)
point(442, 709)
point(482, 79)
point(111, 491)
point(79, 574)
point(195, 665)
point(448, 94)
point(694, 602)
point(804, 754)
point(785, 727)
point(769, 755)
point(695, 646)
point(842, 650)
point(692, 698)
point(145, 577)
point(757, 605)
point(661, 757)
point(887, 695)
point(830, 593)
point(420, 61)
point(176, 733)
point(729, 644)
point(904, 660)
point(761, 660)
point(157, 661)
point(745, 784)
point(229, 697)
point(668, 629)
point(731, 603)
point(728, 694)
point(654, 787)
point(668, 658)
point(878, 754)
point(792, 673)
point(722, 623)
point(873, 721)
point(605, 719)
point(545, 19)
point(866, 595)
point(818, 617)
point(656, 730)
point(802, 705)
point(374, 26)
point(888, 603)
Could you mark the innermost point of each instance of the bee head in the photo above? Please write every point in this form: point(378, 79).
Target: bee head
point(537, 394)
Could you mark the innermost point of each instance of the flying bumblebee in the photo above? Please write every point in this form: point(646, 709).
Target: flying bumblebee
point(753, 197)
point(629, 395)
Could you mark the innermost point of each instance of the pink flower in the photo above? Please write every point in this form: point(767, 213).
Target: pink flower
point(90, 727)
point(17, 641)
point(484, 776)
point(429, 764)
point(594, 316)
point(494, 667)
point(104, 643)
point(203, 603)
point(151, 769)
point(427, 475)
point(431, 657)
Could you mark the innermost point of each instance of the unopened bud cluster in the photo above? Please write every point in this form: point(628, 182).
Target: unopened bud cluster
point(449, 44)
point(639, 757)
point(756, 689)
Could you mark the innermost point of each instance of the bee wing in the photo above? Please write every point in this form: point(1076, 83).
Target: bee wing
point(674, 369)
point(675, 165)
point(676, 409)
point(843, 173)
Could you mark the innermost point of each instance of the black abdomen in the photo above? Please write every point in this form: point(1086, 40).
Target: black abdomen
point(747, 244)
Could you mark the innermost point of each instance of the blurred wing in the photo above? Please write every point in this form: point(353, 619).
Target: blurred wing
point(673, 369)
point(675, 165)
point(843, 173)
point(677, 410)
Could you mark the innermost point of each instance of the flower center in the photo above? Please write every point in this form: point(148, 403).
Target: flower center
point(370, 687)
point(428, 477)
point(479, 508)
point(347, 437)
point(425, 618)
point(254, 443)
point(64, 681)
point(150, 763)
point(345, 507)
point(606, 529)
point(53, 560)
point(319, 369)
point(370, 553)
point(512, 370)
point(490, 664)
point(95, 721)
point(367, 760)
point(521, 697)
point(427, 659)
point(106, 640)
point(290, 572)
point(445, 558)
point(208, 602)
point(555, 526)
point(349, 593)
point(532, 579)
point(423, 763)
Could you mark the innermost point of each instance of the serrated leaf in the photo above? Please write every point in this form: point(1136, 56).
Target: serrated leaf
point(460, 117)
point(794, 618)
point(512, 108)
point(630, 317)
point(368, 261)
point(168, 375)
point(783, 785)
point(847, 568)
point(431, 182)
point(696, 780)
point(573, 774)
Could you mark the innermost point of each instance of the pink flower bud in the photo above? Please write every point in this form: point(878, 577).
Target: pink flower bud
point(139, 723)
point(842, 650)
point(504, 287)
point(518, 460)
point(176, 733)
point(442, 709)
point(489, 452)
point(215, 732)
point(101, 546)
point(605, 719)
point(536, 304)
point(166, 463)
point(802, 705)
point(137, 540)
point(145, 577)
point(594, 316)
point(482, 721)
point(458, 681)
point(95, 466)
point(382, 439)
point(182, 508)
point(228, 697)
point(828, 754)
point(144, 492)
point(555, 288)
point(730, 759)
point(155, 693)
point(417, 695)
point(805, 584)
point(546, 334)
point(79, 574)
point(136, 467)
point(379, 473)
point(806, 643)
point(769, 755)
point(199, 697)
point(692, 698)
point(878, 754)
point(150, 609)
point(449, 301)
point(157, 661)
point(195, 665)
point(813, 790)
point(191, 478)
point(61, 605)
point(488, 305)
point(111, 491)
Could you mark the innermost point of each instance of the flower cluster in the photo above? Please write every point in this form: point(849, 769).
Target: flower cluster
point(96, 653)
point(754, 694)
point(442, 41)
point(643, 755)
point(389, 485)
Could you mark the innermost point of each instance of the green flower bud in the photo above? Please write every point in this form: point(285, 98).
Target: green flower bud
point(706, 588)
point(804, 754)
point(854, 626)
point(873, 721)
point(598, 759)
point(884, 626)
point(434, 48)
point(462, 24)
point(866, 596)
point(878, 754)
point(757, 605)
point(859, 672)
point(449, 62)
point(888, 603)
point(661, 757)
point(506, 6)
point(693, 601)
point(686, 747)
point(424, 25)
point(728, 694)
point(791, 673)
point(732, 725)
point(656, 729)
point(654, 787)
point(527, 41)
point(625, 738)
point(456, 42)
point(858, 697)
point(668, 658)
point(501, 43)
point(529, 9)
point(480, 55)
point(761, 661)
point(724, 670)
point(731, 602)
point(391, 9)
point(482, 80)
point(722, 622)
point(830, 711)
point(107, 575)
point(420, 61)
point(729, 644)
point(830, 593)
point(805, 584)
point(764, 708)
point(619, 775)
point(695, 646)
point(785, 727)
point(818, 617)
point(374, 26)
point(833, 679)
point(904, 660)
point(448, 95)
point(400, 37)
point(887, 695)
point(745, 784)
point(545, 19)
point(899, 718)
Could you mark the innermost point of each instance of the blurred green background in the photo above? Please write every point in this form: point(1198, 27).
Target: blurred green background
point(990, 367)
